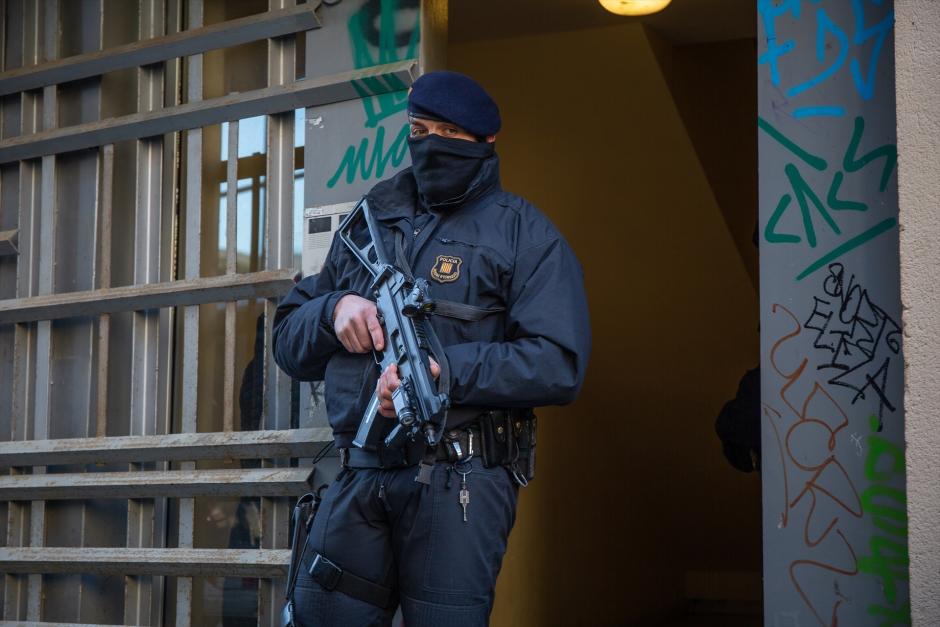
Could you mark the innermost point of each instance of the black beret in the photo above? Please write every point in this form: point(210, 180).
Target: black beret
point(456, 98)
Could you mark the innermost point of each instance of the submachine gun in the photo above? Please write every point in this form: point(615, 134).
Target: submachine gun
point(404, 306)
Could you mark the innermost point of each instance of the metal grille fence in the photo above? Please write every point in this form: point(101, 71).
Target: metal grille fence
point(102, 294)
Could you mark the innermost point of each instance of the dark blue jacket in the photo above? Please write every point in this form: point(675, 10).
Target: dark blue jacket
point(504, 252)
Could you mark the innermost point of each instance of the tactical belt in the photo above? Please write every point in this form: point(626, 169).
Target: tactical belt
point(332, 577)
point(456, 445)
point(387, 459)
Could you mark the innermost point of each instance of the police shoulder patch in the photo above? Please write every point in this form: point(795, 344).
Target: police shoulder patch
point(446, 269)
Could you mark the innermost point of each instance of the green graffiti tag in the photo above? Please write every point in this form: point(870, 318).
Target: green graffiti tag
point(869, 234)
point(887, 507)
point(364, 35)
point(375, 37)
point(360, 161)
point(888, 152)
point(816, 162)
point(809, 201)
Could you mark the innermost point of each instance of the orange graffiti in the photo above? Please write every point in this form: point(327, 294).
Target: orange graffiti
point(816, 413)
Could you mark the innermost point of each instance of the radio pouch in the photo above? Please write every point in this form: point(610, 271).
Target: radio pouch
point(509, 439)
point(524, 433)
point(497, 435)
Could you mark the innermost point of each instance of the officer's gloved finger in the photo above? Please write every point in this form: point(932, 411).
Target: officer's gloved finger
point(375, 331)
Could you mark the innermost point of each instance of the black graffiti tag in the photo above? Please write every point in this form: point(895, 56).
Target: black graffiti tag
point(861, 337)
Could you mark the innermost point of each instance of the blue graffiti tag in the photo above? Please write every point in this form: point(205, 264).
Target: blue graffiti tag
point(805, 112)
point(823, 25)
point(834, 50)
point(866, 86)
point(769, 13)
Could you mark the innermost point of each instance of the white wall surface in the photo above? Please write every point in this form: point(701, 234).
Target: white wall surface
point(917, 58)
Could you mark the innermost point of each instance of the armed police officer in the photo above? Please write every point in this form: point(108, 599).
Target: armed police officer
point(516, 336)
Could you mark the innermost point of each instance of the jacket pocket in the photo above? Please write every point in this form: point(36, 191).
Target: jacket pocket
point(457, 242)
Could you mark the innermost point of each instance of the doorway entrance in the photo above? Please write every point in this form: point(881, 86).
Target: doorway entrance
point(637, 138)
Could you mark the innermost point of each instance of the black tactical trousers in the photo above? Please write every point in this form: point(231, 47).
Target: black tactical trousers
point(384, 526)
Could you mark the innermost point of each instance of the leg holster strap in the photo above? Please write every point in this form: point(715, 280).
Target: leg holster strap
point(332, 577)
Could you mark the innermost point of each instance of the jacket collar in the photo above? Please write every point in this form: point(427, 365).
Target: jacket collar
point(397, 197)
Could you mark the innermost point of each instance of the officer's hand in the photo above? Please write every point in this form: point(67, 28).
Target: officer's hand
point(389, 382)
point(356, 322)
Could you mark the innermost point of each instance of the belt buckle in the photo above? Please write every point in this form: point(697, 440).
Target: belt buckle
point(344, 457)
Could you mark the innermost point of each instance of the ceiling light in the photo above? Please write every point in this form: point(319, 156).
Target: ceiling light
point(634, 7)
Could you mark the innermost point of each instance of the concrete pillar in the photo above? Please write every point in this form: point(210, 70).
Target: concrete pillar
point(917, 58)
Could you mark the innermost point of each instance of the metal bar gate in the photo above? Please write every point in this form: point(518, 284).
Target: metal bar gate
point(105, 278)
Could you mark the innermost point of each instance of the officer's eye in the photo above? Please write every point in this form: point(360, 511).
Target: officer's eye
point(417, 130)
point(450, 130)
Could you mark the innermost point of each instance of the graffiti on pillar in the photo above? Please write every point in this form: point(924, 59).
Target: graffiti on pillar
point(886, 557)
point(835, 525)
point(813, 212)
point(381, 31)
point(856, 46)
point(861, 342)
point(819, 496)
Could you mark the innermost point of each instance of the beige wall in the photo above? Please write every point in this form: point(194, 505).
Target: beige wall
point(608, 532)
point(917, 62)
point(711, 85)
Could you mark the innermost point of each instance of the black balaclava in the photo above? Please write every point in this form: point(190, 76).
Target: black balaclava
point(444, 167)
